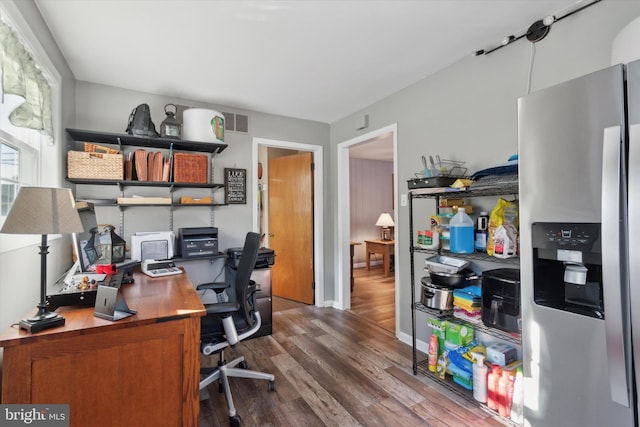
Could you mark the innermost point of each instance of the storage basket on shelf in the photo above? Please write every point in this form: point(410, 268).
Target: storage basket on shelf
point(90, 164)
point(190, 168)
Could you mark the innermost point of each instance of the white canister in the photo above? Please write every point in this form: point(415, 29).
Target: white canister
point(202, 125)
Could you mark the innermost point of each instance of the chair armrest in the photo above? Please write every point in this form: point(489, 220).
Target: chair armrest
point(216, 286)
point(222, 308)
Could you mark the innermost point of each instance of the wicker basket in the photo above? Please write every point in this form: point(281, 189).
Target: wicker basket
point(81, 164)
point(190, 168)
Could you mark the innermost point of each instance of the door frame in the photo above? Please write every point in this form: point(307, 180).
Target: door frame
point(318, 204)
point(342, 261)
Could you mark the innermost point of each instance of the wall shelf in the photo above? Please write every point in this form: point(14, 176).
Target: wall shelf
point(138, 141)
point(125, 183)
point(123, 140)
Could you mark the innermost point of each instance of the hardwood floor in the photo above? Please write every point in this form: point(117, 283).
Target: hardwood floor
point(374, 297)
point(336, 368)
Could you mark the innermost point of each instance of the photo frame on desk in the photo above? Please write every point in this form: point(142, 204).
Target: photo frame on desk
point(235, 185)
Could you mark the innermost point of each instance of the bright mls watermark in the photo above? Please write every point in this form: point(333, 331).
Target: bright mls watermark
point(34, 415)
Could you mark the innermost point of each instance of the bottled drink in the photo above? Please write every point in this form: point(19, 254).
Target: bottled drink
point(433, 353)
point(462, 235)
point(492, 387)
point(503, 383)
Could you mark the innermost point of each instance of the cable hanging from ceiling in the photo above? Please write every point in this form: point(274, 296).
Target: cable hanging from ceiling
point(536, 31)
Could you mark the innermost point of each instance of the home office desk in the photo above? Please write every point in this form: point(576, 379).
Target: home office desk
point(382, 247)
point(140, 371)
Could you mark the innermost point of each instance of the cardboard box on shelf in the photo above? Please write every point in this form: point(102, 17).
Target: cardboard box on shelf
point(459, 334)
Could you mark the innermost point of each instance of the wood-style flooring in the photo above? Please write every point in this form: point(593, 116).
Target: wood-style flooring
point(338, 368)
point(374, 297)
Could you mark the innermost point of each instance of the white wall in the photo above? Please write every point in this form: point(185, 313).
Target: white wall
point(468, 110)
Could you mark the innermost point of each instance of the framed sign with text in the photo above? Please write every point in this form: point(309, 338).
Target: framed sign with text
point(235, 185)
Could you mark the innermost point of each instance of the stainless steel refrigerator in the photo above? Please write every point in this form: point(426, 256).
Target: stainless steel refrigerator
point(579, 167)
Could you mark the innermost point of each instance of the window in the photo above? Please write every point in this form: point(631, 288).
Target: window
point(29, 115)
point(19, 155)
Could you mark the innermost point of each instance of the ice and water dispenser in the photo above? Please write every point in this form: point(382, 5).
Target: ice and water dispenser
point(567, 267)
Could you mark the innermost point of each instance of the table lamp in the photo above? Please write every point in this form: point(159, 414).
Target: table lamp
point(39, 210)
point(386, 222)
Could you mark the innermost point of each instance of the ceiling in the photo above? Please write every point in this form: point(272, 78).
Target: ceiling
point(315, 60)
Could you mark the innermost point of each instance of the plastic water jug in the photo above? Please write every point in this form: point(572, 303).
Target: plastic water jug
point(462, 236)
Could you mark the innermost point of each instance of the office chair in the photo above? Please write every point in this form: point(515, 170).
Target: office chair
point(227, 323)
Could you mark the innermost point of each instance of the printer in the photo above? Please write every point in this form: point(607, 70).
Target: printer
point(266, 257)
point(194, 242)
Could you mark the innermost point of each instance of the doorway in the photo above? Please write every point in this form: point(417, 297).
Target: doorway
point(260, 206)
point(343, 268)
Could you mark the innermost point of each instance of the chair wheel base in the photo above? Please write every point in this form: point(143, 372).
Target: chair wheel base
point(234, 421)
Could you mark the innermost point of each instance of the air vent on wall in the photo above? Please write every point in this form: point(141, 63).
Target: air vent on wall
point(236, 122)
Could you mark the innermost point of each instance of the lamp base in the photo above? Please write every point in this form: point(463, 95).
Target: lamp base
point(385, 234)
point(36, 325)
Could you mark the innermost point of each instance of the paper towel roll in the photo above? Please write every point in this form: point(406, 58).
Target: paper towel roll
point(202, 125)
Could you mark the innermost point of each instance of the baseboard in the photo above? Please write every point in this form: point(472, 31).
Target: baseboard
point(420, 345)
point(364, 264)
point(331, 303)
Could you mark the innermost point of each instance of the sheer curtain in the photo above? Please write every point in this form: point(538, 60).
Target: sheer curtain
point(22, 77)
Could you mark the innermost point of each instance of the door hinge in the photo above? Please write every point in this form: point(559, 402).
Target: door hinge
point(313, 285)
point(313, 166)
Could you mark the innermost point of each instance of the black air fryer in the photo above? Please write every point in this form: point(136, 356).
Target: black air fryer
point(501, 299)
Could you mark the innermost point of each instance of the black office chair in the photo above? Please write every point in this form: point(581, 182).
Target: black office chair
point(228, 323)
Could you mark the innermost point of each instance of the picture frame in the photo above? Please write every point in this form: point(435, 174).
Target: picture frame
point(235, 186)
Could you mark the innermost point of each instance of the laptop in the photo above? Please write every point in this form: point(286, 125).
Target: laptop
point(110, 304)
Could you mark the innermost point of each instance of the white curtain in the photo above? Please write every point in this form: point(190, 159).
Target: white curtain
point(22, 77)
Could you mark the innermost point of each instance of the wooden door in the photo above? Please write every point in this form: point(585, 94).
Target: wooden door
point(291, 226)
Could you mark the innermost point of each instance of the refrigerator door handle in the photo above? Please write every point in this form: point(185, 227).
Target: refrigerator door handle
point(611, 275)
point(633, 232)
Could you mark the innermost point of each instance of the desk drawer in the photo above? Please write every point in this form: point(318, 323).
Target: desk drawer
point(262, 276)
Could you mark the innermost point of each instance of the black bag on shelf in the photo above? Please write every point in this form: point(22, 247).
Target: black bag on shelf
point(140, 123)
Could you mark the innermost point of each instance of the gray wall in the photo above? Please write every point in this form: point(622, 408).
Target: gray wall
point(468, 110)
point(104, 108)
point(465, 112)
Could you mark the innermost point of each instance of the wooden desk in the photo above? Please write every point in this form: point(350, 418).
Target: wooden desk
point(353, 245)
point(140, 371)
point(383, 247)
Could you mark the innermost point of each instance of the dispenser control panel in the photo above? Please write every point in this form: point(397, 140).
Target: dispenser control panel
point(579, 237)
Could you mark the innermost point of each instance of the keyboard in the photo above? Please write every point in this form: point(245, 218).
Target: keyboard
point(159, 272)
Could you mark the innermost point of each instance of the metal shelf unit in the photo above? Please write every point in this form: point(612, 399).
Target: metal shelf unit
point(421, 366)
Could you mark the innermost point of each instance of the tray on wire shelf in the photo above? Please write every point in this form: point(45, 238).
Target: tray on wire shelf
point(445, 264)
point(438, 173)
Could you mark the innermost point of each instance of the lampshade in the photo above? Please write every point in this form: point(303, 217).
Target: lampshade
point(39, 210)
point(385, 220)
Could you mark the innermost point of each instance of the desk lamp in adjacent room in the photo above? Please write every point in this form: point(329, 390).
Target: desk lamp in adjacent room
point(39, 210)
point(386, 222)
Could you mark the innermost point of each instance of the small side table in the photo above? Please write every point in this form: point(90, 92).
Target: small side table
point(353, 244)
point(383, 247)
